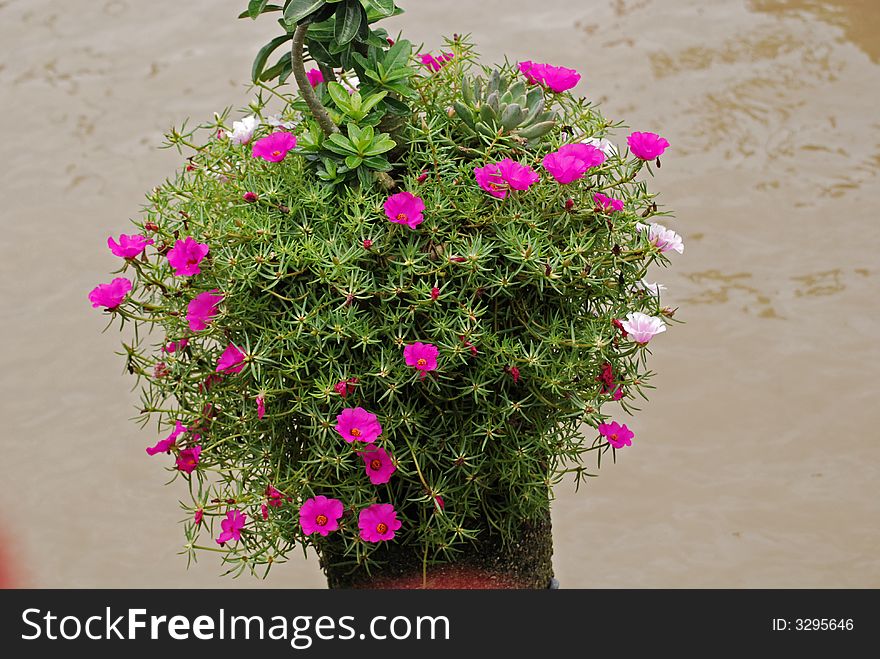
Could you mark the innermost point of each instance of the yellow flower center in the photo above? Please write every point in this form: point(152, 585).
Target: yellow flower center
point(614, 436)
point(321, 520)
point(355, 432)
point(276, 153)
point(376, 464)
point(382, 528)
point(422, 361)
point(401, 217)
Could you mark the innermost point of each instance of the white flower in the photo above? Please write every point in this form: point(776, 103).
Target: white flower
point(243, 131)
point(662, 238)
point(653, 289)
point(642, 327)
point(603, 145)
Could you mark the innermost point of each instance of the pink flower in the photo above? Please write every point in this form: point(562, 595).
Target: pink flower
point(440, 501)
point(517, 175)
point(606, 377)
point(378, 522)
point(514, 373)
point(275, 497)
point(435, 293)
point(128, 246)
point(423, 356)
point(188, 458)
point(405, 208)
point(618, 394)
point(557, 78)
point(231, 527)
point(570, 162)
point(367, 243)
point(174, 346)
point(345, 387)
point(274, 147)
point(186, 255)
point(320, 515)
point(165, 445)
point(110, 295)
point(434, 64)
point(641, 327)
point(202, 308)
point(197, 518)
point(355, 424)
point(250, 197)
point(231, 361)
point(261, 407)
point(617, 435)
point(378, 465)
point(607, 203)
point(160, 370)
point(489, 178)
point(619, 325)
point(264, 511)
point(647, 146)
point(315, 77)
point(662, 238)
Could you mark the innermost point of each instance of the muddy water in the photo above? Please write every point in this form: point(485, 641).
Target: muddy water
point(756, 462)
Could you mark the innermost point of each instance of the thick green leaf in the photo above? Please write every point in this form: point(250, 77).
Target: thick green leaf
point(255, 7)
point(339, 143)
point(384, 7)
point(348, 20)
point(299, 9)
point(339, 95)
point(263, 55)
point(265, 10)
point(275, 70)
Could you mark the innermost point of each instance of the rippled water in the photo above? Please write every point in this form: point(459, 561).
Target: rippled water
point(756, 462)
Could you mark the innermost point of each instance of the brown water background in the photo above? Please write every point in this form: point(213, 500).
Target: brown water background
point(757, 461)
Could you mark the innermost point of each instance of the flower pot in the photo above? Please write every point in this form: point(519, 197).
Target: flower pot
point(487, 563)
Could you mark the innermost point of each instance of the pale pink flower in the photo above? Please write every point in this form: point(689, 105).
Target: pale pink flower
point(231, 527)
point(188, 459)
point(378, 522)
point(274, 147)
point(641, 328)
point(618, 435)
point(231, 361)
point(202, 308)
point(315, 77)
point(405, 208)
point(243, 131)
point(320, 515)
point(357, 425)
point(662, 238)
point(128, 247)
point(165, 445)
point(186, 255)
point(111, 295)
point(378, 464)
point(647, 146)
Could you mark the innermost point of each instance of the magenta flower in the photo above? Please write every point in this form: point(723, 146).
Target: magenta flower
point(202, 308)
point(405, 208)
point(435, 293)
point(275, 497)
point(647, 146)
point(128, 246)
point(110, 295)
point(231, 361)
point(378, 522)
point(165, 445)
point(662, 238)
point(345, 387)
point(378, 465)
point(175, 346)
point(514, 373)
point(557, 78)
point(261, 407)
point(315, 77)
point(641, 327)
point(617, 435)
point(355, 424)
point(250, 197)
point(264, 511)
point(188, 459)
point(186, 255)
point(422, 356)
point(434, 64)
point(274, 147)
point(607, 204)
point(516, 175)
point(489, 178)
point(570, 162)
point(320, 515)
point(231, 527)
point(197, 518)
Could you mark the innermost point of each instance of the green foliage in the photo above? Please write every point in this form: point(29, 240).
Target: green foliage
point(519, 295)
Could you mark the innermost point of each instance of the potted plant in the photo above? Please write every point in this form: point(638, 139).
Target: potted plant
point(378, 323)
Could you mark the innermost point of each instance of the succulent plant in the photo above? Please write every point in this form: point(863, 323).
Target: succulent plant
point(504, 109)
